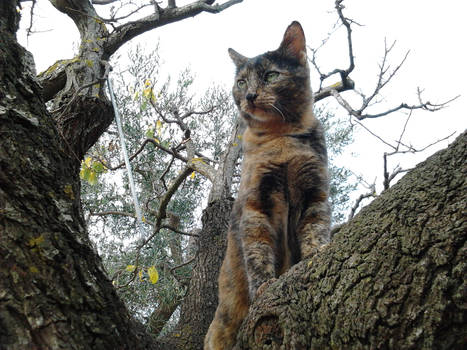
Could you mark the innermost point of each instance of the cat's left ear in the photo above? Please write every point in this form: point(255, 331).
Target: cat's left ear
point(238, 59)
point(293, 44)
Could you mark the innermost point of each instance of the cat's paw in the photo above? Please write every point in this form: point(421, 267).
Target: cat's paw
point(264, 286)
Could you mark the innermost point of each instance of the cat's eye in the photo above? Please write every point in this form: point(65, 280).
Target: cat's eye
point(241, 83)
point(271, 76)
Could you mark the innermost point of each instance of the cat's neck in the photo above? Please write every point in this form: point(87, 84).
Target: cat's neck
point(259, 132)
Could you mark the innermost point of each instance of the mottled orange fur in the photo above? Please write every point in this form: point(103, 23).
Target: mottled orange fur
point(281, 214)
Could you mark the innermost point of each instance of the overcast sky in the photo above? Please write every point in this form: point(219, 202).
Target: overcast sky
point(432, 30)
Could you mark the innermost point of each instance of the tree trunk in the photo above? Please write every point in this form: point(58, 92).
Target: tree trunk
point(54, 293)
point(200, 303)
point(393, 278)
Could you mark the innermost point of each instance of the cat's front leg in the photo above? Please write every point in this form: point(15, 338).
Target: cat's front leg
point(258, 240)
point(314, 228)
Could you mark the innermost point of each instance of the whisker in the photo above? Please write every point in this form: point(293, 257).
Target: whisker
point(277, 109)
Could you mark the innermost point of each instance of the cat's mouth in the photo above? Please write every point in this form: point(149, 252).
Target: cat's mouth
point(263, 112)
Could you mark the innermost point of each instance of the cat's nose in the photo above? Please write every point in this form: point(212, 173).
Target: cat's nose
point(251, 97)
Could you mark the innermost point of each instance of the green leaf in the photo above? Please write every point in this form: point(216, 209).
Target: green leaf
point(150, 133)
point(85, 173)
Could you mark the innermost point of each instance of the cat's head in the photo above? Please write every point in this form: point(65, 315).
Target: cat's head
point(276, 84)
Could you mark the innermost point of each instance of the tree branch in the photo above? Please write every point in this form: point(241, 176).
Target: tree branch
point(345, 82)
point(127, 31)
point(426, 106)
point(371, 193)
point(103, 2)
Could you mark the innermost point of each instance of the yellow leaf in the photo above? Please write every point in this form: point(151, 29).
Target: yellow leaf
point(335, 85)
point(36, 241)
point(157, 141)
point(130, 268)
point(147, 82)
point(143, 219)
point(239, 137)
point(88, 162)
point(192, 176)
point(159, 127)
point(33, 269)
point(92, 178)
point(235, 144)
point(310, 263)
point(194, 160)
point(147, 92)
point(153, 274)
point(69, 190)
point(140, 274)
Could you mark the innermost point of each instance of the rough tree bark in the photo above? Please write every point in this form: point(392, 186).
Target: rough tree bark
point(201, 301)
point(393, 278)
point(54, 293)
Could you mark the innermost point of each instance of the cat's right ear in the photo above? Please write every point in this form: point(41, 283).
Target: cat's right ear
point(238, 59)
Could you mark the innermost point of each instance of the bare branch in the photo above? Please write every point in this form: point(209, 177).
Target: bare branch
point(338, 87)
point(346, 22)
point(403, 130)
point(29, 30)
point(171, 228)
point(183, 264)
point(103, 2)
point(115, 19)
point(127, 31)
point(371, 193)
point(345, 82)
point(426, 106)
point(113, 212)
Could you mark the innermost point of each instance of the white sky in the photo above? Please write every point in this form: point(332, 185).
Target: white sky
point(433, 31)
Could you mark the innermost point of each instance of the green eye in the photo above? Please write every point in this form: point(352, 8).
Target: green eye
point(241, 83)
point(271, 76)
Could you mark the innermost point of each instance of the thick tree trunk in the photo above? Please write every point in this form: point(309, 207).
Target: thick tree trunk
point(393, 278)
point(54, 293)
point(200, 303)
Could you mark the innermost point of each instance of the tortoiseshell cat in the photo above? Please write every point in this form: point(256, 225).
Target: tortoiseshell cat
point(281, 215)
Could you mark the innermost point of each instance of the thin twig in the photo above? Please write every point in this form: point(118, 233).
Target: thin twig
point(183, 264)
point(371, 193)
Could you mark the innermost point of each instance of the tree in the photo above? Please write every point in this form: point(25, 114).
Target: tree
point(54, 289)
point(54, 292)
point(154, 140)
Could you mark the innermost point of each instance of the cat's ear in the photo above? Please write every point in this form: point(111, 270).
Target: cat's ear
point(238, 59)
point(293, 44)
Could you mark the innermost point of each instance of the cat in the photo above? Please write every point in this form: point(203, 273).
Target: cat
point(281, 214)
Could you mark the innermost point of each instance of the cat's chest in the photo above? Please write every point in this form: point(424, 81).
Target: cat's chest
point(271, 158)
